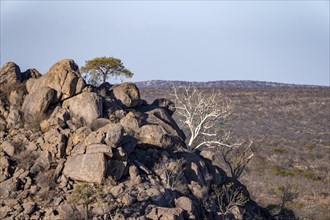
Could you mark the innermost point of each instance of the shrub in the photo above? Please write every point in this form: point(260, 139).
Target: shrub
point(286, 193)
point(227, 196)
point(170, 171)
point(311, 175)
point(278, 149)
point(282, 171)
point(83, 194)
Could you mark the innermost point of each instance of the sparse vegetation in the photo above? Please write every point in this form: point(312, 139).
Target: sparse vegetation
point(170, 172)
point(226, 197)
point(289, 128)
point(83, 194)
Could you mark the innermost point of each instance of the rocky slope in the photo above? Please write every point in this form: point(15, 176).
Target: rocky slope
point(73, 151)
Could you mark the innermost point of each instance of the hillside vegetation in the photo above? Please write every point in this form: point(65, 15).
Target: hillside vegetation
point(291, 142)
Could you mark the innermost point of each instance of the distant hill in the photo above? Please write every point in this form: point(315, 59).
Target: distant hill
point(165, 84)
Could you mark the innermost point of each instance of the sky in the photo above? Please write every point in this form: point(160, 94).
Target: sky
point(276, 41)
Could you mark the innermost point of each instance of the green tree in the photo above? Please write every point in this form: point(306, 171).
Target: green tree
point(99, 69)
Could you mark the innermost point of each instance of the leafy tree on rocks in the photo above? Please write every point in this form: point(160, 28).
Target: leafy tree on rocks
point(99, 69)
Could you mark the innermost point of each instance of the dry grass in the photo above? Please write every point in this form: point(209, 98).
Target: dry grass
point(291, 135)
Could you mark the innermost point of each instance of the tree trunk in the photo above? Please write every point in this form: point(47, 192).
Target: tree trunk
point(104, 78)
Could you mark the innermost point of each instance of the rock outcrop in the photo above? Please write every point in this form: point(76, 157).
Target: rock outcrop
point(10, 73)
point(102, 149)
point(63, 77)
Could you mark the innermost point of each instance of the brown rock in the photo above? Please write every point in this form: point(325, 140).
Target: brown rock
point(31, 73)
point(63, 76)
point(8, 148)
point(55, 142)
point(133, 171)
point(16, 97)
point(155, 135)
point(162, 213)
point(4, 211)
point(99, 148)
point(99, 123)
point(58, 118)
point(117, 190)
point(10, 73)
point(186, 204)
point(116, 168)
point(35, 104)
point(127, 94)
point(165, 104)
point(161, 117)
point(29, 207)
point(132, 123)
point(87, 167)
point(86, 106)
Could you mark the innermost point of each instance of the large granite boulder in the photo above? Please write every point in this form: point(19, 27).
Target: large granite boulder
point(162, 117)
point(37, 103)
point(63, 77)
point(10, 73)
point(155, 135)
point(86, 167)
point(127, 94)
point(86, 106)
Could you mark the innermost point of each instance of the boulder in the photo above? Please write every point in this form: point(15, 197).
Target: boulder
point(55, 142)
point(10, 73)
point(104, 90)
point(127, 94)
point(197, 175)
point(29, 207)
point(16, 98)
point(35, 104)
point(110, 134)
point(14, 119)
point(162, 213)
point(166, 104)
point(116, 169)
point(8, 148)
point(86, 106)
point(219, 176)
point(161, 117)
point(99, 123)
point(3, 124)
point(99, 148)
point(63, 77)
point(57, 119)
point(155, 135)
point(77, 137)
point(132, 123)
point(116, 191)
point(187, 205)
point(31, 73)
point(156, 197)
point(87, 167)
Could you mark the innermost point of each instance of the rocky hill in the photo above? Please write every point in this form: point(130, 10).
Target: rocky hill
point(74, 151)
point(167, 84)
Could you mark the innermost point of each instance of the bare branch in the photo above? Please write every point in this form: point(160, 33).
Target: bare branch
point(200, 113)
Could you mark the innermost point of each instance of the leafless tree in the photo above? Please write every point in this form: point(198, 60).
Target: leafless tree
point(202, 113)
point(237, 161)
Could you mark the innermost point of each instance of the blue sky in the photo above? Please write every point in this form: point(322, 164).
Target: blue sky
point(278, 41)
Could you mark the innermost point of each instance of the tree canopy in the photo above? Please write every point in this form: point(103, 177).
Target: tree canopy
point(99, 69)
